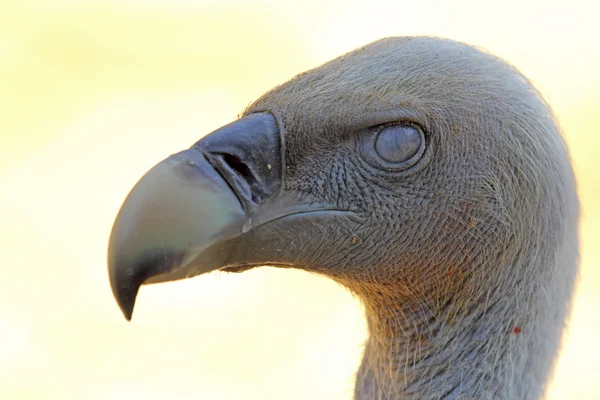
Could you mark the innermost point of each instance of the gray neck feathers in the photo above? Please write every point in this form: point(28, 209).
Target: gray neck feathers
point(483, 342)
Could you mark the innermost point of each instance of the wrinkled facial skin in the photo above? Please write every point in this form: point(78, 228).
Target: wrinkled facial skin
point(471, 194)
point(475, 238)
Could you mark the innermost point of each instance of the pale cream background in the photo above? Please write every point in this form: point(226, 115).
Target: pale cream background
point(93, 93)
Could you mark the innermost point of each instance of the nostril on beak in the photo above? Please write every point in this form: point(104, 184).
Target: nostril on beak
point(240, 168)
point(247, 154)
point(239, 176)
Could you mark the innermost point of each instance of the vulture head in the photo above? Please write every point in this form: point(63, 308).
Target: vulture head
point(426, 176)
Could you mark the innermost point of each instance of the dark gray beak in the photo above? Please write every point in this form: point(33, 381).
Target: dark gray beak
point(191, 201)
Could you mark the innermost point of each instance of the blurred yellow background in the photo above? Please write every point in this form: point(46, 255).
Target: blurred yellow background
point(93, 93)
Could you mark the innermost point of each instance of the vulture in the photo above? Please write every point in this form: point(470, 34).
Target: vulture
point(426, 176)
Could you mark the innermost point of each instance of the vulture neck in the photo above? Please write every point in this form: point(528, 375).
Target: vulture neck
point(441, 348)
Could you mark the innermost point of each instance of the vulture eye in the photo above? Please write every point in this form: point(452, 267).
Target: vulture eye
point(393, 147)
point(398, 143)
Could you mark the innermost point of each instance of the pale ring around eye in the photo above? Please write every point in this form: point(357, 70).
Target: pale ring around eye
point(398, 143)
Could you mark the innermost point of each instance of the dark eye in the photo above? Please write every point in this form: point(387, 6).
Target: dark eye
point(393, 147)
point(398, 143)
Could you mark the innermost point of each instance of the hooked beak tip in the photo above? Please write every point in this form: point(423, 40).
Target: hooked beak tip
point(127, 313)
point(127, 308)
point(125, 297)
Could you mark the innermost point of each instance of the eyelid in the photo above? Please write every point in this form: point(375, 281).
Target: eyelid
point(378, 128)
point(390, 117)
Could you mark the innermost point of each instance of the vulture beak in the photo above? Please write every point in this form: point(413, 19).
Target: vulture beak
point(187, 205)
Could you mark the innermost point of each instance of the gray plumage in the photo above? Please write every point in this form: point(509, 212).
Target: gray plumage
point(457, 257)
point(466, 260)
